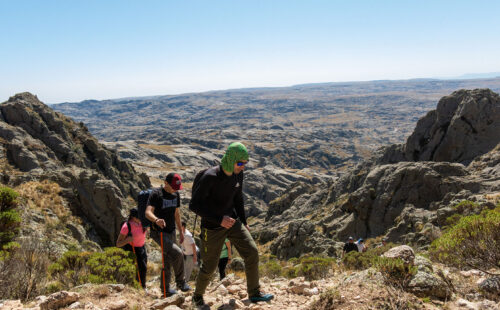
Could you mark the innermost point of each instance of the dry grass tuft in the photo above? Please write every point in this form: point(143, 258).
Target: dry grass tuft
point(45, 196)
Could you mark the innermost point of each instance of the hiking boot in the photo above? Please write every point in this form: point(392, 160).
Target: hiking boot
point(199, 303)
point(184, 286)
point(261, 297)
point(169, 292)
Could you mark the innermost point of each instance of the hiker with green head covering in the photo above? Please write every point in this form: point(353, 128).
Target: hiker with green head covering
point(218, 199)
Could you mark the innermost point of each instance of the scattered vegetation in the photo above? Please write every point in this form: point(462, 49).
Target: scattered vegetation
point(309, 267)
point(113, 265)
point(474, 242)
point(362, 260)
point(463, 208)
point(345, 296)
point(9, 221)
point(330, 299)
point(44, 195)
point(396, 272)
point(24, 272)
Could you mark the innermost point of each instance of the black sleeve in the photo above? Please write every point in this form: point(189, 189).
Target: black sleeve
point(199, 201)
point(178, 199)
point(345, 247)
point(238, 201)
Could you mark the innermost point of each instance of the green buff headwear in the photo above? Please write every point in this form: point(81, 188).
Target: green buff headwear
point(235, 152)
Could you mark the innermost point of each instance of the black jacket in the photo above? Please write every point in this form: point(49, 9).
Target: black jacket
point(216, 195)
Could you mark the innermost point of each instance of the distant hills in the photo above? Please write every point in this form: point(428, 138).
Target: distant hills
point(327, 126)
point(480, 75)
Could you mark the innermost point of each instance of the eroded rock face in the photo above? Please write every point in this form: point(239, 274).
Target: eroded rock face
point(301, 237)
point(46, 145)
point(464, 125)
point(406, 191)
point(391, 192)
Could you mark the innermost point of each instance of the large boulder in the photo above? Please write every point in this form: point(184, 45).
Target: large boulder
point(59, 300)
point(403, 252)
point(491, 286)
point(425, 284)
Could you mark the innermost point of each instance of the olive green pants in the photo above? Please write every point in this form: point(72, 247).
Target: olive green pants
point(211, 246)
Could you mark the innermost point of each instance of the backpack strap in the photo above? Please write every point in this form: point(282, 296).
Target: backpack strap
point(129, 229)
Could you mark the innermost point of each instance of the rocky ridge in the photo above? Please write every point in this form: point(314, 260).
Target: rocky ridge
point(404, 192)
point(38, 144)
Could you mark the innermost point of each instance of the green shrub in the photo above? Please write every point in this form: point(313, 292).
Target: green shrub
point(53, 287)
point(314, 268)
point(395, 271)
point(474, 241)
point(113, 265)
point(8, 198)
point(271, 268)
point(452, 220)
point(363, 260)
point(10, 221)
point(357, 260)
point(71, 268)
point(309, 267)
point(291, 271)
point(466, 207)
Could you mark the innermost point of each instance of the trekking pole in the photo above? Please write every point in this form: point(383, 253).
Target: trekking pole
point(137, 266)
point(163, 266)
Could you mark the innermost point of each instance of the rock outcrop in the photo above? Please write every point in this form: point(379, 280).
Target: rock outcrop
point(405, 191)
point(41, 144)
point(464, 125)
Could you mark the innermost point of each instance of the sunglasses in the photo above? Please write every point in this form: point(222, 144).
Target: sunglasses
point(241, 163)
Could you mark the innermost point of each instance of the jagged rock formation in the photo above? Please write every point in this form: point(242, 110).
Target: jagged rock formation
point(408, 201)
point(464, 125)
point(41, 144)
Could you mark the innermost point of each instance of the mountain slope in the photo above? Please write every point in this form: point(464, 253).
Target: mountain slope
point(39, 144)
point(406, 191)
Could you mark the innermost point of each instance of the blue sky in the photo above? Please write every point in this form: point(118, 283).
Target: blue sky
point(75, 50)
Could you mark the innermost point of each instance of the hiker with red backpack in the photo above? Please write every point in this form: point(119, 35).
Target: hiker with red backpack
point(218, 199)
point(164, 213)
point(131, 238)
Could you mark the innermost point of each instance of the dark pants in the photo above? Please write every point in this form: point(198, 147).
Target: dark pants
point(222, 267)
point(141, 259)
point(211, 246)
point(172, 258)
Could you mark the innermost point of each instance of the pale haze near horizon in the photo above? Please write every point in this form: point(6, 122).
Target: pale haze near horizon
point(76, 50)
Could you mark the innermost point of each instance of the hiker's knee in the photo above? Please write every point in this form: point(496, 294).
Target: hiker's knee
point(251, 255)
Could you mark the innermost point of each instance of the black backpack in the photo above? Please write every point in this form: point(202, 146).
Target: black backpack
point(197, 180)
point(195, 185)
point(142, 203)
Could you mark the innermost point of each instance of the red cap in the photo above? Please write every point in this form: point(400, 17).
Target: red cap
point(174, 180)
